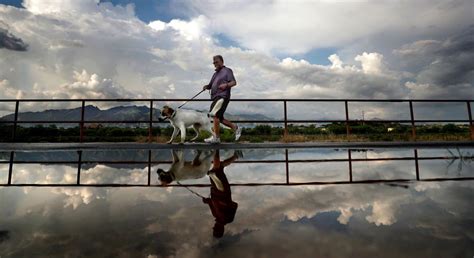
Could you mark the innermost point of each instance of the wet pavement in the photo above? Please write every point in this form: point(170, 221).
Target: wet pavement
point(305, 202)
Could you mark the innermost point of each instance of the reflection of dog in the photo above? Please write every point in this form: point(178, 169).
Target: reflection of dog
point(180, 119)
point(182, 170)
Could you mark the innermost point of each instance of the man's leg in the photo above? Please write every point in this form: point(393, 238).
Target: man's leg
point(219, 114)
point(237, 130)
point(217, 127)
point(229, 124)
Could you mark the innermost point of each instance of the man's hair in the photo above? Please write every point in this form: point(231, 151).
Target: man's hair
point(220, 57)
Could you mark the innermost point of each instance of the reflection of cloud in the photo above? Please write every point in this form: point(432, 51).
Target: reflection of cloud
point(382, 202)
point(296, 220)
point(421, 187)
point(383, 213)
point(77, 196)
point(44, 174)
point(274, 219)
point(102, 174)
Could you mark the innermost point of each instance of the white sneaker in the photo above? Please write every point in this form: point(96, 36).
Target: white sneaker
point(238, 132)
point(213, 140)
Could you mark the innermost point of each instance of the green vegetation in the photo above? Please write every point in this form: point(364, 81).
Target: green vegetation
point(374, 131)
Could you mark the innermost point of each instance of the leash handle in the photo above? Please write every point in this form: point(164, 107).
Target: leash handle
point(192, 98)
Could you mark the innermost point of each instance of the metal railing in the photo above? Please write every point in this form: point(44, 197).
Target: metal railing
point(285, 121)
point(150, 162)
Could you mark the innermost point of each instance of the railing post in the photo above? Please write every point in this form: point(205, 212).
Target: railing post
point(81, 125)
point(79, 166)
point(416, 166)
point(348, 129)
point(412, 117)
point(287, 167)
point(149, 167)
point(285, 132)
point(10, 168)
point(350, 164)
point(471, 125)
point(150, 126)
point(17, 103)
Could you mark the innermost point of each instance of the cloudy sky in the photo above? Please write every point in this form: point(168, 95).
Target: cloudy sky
point(276, 48)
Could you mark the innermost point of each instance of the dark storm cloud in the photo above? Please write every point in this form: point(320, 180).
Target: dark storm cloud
point(454, 64)
point(9, 41)
point(443, 63)
point(4, 235)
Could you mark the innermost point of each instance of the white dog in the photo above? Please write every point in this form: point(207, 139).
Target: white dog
point(181, 119)
point(183, 170)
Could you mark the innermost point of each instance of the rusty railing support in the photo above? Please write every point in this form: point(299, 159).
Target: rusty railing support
point(17, 103)
point(471, 124)
point(412, 118)
point(81, 124)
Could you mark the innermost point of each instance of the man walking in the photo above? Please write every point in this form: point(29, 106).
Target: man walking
point(221, 83)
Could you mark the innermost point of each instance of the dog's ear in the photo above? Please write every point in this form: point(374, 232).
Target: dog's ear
point(164, 110)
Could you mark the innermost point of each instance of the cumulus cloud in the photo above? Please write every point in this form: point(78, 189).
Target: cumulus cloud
point(92, 86)
point(339, 80)
point(61, 6)
point(371, 62)
point(119, 49)
point(190, 30)
point(109, 53)
point(9, 91)
point(299, 26)
point(52, 6)
point(112, 57)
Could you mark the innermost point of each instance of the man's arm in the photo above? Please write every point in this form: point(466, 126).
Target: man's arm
point(227, 85)
point(231, 82)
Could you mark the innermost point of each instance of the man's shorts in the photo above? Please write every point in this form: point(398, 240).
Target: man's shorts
point(220, 112)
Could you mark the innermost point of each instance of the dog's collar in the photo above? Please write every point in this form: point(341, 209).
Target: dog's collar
point(173, 115)
point(170, 117)
point(173, 177)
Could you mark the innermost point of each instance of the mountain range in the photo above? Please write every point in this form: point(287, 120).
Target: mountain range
point(93, 113)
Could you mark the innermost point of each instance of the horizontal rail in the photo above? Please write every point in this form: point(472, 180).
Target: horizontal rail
point(80, 162)
point(83, 122)
point(236, 99)
point(233, 121)
point(125, 162)
point(249, 184)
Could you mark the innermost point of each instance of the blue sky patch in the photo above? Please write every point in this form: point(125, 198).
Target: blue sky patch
point(16, 3)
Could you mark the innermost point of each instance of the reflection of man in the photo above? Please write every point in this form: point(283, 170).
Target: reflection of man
point(222, 207)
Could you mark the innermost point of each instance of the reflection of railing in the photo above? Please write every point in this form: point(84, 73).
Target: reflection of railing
point(286, 161)
point(285, 120)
